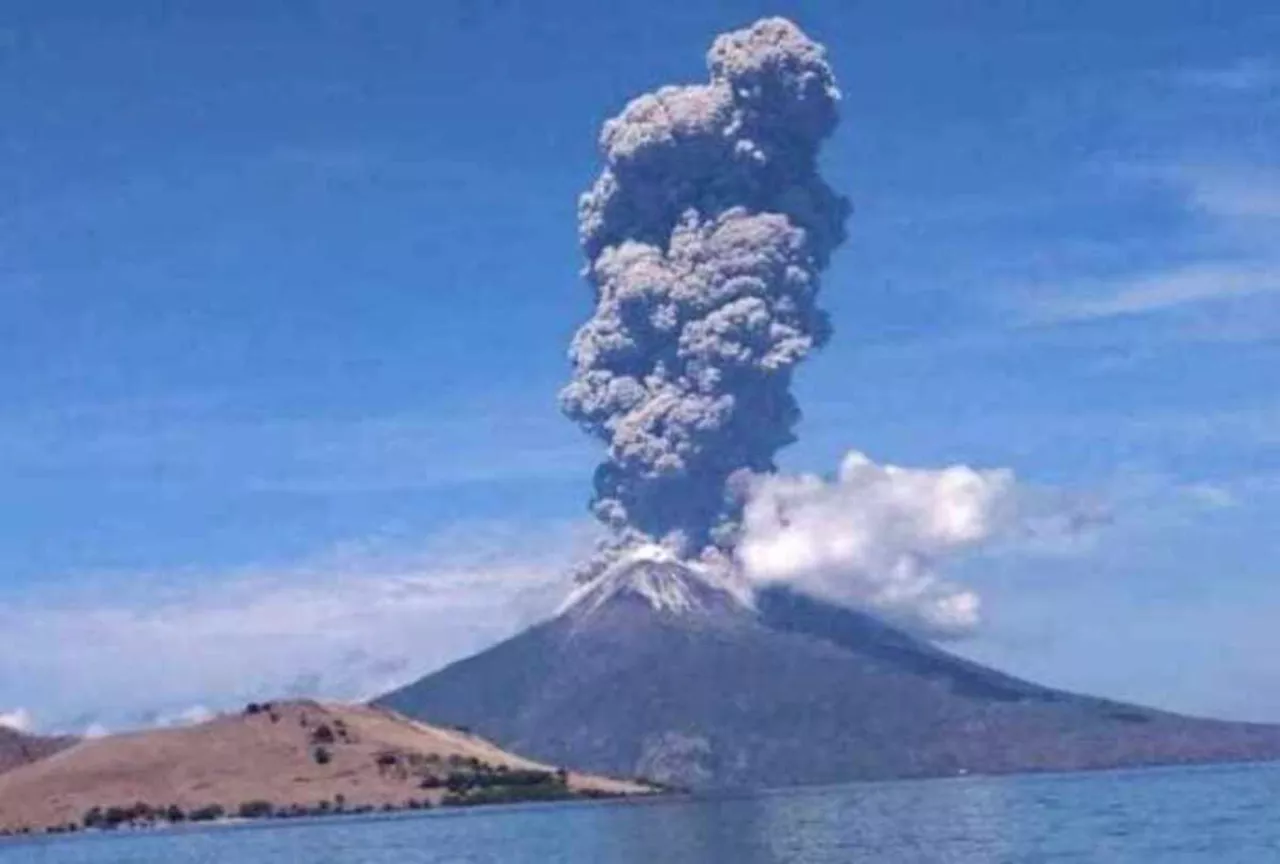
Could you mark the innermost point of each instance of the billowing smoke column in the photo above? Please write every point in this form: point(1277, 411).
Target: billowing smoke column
point(705, 235)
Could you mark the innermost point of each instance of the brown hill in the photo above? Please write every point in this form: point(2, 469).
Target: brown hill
point(17, 748)
point(294, 756)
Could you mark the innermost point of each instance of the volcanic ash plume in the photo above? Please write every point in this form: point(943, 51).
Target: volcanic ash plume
point(705, 235)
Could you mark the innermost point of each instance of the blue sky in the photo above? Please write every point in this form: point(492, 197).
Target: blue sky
point(285, 292)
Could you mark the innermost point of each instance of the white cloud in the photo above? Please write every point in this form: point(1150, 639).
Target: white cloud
point(877, 536)
point(188, 716)
point(1161, 291)
point(142, 649)
point(1212, 496)
point(1228, 255)
point(19, 719)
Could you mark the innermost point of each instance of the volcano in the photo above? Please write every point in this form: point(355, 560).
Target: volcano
point(659, 670)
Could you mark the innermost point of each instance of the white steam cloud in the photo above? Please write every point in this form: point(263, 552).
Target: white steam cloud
point(19, 720)
point(876, 537)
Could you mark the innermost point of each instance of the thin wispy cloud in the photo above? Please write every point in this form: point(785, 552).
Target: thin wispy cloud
point(1227, 256)
point(139, 649)
point(1246, 75)
point(1198, 283)
point(1239, 197)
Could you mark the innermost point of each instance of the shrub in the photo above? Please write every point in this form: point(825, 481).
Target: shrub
point(508, 795)
point(138, 812)
point(115, 816)
point(209, 813)
point(528, 778)
point(323, 734)
point(322, 756)
point(257, 809)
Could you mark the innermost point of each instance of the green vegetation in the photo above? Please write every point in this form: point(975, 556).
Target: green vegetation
point(257, 809)
point(143, 815)
point(502, 785)
point(508, 795)
point(211, 813)
point(113, 817)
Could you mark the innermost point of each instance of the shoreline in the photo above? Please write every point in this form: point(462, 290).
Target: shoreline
point(358, 813)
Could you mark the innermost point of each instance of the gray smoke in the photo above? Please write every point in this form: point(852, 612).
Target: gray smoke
point(705, 235)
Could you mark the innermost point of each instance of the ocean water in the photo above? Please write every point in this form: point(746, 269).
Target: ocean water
point(1220, 815)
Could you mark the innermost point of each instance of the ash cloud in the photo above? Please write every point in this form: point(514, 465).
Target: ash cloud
point(705, 233)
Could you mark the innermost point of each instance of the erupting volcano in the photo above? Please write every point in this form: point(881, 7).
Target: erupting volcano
point(737, 627)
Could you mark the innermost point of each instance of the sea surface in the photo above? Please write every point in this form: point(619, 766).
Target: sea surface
point(1221, 815)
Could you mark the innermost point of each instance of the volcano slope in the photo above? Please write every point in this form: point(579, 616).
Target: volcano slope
point(658, 673)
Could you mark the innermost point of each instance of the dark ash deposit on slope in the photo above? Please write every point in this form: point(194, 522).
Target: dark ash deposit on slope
point(705, 692)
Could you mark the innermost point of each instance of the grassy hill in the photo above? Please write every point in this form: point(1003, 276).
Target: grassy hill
point(277, 759)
